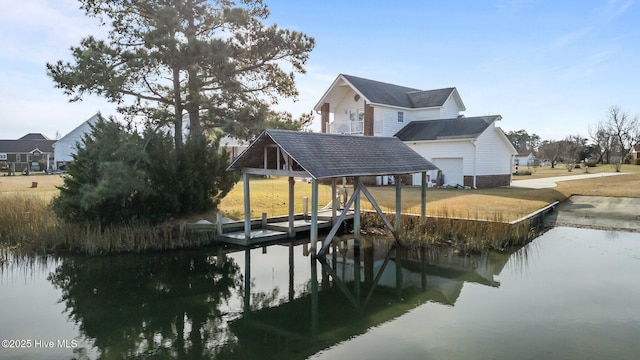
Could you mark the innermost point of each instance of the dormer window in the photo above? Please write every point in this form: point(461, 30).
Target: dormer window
point(400, 116)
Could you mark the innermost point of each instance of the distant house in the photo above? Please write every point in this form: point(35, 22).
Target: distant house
point(233, 146)
point(635, 154)
point(524, 159)
point(65, 147)
point(32, 152)
point(470, 151)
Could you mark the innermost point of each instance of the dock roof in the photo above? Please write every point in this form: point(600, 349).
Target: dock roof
point(331, 155)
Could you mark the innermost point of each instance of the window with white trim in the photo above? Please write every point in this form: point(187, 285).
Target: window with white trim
point(400, 116)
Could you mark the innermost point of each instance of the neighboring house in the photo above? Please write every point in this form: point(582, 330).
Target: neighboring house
point(524, 159)
point(233, 146)
point(635, 154)
point(33, 152)
point(65, 147)
point(470, 151)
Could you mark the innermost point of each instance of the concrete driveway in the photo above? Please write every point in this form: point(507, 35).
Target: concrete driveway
point(597, 212)
point(550, 182)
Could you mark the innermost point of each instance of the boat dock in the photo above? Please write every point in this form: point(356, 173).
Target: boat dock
point(265, 230)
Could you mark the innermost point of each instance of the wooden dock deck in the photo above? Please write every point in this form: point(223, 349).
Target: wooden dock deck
point(276, 228)
point(258, 236)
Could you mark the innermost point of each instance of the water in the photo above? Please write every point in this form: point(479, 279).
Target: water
point(570, 294)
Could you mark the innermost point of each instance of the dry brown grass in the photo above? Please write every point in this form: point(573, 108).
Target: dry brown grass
point(271, 195)
point(25, 219)
point(20, 184)
point(561, 170)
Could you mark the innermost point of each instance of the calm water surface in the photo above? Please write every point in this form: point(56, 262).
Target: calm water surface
point(570, 294)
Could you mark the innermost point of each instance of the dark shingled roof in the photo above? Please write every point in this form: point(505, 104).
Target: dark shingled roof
point(395, 95)
point(34, 136)
point(331, 155)
point(26, 146)
point(458, 128)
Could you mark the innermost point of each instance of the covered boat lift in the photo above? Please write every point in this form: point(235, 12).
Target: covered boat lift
point(328, 157)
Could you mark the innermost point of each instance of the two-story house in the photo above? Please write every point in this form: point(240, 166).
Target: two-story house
point(470, 151)
point(32, 152)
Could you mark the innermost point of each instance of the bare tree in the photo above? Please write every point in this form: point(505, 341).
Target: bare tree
point(574, 149)
point(554, 151)
point(603, 142)
point(623, 128)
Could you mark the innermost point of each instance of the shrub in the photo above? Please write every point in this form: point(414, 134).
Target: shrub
point(122, 177)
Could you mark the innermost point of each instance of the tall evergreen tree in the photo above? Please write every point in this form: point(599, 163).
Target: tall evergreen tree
point(213, 61)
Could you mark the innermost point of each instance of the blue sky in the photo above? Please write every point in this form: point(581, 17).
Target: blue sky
point(550, 67)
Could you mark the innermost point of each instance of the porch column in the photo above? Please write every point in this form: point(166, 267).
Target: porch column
point(324, 118)
point(368, 126)
point(247, 207)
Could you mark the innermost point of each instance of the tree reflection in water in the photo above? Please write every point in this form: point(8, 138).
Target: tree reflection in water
point(160, 305)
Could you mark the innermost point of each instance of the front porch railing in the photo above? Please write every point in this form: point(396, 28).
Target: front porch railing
point(347, 127)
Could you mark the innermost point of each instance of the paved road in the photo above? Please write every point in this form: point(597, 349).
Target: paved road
point(550, 182)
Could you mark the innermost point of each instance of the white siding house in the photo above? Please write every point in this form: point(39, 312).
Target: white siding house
point(65, 147)
point(524, 159)
point(470, 151)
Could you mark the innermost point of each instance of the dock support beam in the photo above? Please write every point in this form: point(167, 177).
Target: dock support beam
point(356, 239)
point(313, 236)
point(292, 182)
point(423, 197)
point(334, 205)
point(247, 282)
point(247, 207)
point(398, 202)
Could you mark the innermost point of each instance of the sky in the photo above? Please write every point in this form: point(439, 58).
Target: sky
point(550, 67)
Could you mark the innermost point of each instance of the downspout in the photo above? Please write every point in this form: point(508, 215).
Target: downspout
point(475, 161)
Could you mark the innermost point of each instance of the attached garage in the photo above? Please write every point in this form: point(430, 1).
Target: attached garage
point(452, 170)
point(471, 152)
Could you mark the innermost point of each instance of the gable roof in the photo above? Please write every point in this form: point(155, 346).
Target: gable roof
point(377, 92)
point(78, 132)
point(332, 155)
point(446, 129)
point(34, 136)
point(524, 154)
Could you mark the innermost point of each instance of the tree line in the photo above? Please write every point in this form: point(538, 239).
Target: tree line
point(610, 141)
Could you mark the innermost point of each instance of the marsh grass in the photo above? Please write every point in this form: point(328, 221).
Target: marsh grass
point(27, 225)
point(463, 234)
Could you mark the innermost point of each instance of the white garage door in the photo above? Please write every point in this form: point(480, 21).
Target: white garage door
point(451, 169)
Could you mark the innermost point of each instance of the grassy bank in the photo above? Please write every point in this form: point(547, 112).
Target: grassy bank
point(28, 225)
point(25, 219)
point(462, 234)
